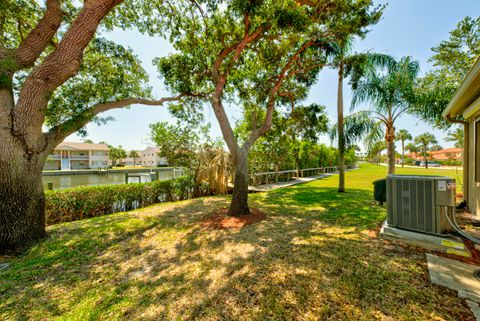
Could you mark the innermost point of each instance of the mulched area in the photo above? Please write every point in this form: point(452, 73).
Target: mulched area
point(220, 220)
point(475, 259)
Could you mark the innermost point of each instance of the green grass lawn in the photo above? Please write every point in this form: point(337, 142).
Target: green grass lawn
point(316, 257)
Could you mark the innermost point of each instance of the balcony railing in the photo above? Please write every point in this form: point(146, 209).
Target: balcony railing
point(54, 157)
point(78, 157)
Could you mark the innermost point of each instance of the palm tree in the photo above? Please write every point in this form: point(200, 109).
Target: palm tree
point(375, 150)
point(389, 93)
point(213, 169)
point(403, 135)
point(424, 140)
point(354, 66)
point(412, 148)
point(134, 155)
point(455, 136)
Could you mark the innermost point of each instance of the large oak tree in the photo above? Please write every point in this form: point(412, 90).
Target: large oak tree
point(257, 55)
point(56, 75)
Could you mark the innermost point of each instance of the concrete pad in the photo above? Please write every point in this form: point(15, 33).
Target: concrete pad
point(445, 244)
point(455, 275)
point(473, 232)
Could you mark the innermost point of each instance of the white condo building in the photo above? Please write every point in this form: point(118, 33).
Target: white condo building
point(67, 156)
point(149, 157)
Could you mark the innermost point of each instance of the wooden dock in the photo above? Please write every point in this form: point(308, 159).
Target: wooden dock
point(298, 180)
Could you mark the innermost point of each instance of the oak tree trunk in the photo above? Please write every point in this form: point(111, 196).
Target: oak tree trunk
point(22, 205)
point(239, 204)
point(341, 133)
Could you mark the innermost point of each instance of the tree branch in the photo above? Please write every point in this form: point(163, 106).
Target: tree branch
point(220, 79)
point(307, 68)
point(38, 39)
point(291, 96)
point(62, 64)
point(202, 13)
point(57, 133)
point(267, 124)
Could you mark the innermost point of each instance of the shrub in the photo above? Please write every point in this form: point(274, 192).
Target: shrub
point(90, 201)
point(450, 162)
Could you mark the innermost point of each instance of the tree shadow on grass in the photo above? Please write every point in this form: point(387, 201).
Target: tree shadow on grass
point(306, 261)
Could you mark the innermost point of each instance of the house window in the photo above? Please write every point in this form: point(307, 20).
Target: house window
point(477, 150)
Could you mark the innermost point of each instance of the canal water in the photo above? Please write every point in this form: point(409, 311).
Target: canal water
point(66, 181)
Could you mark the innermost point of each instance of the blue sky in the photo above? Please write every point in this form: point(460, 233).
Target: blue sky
point(408, 28)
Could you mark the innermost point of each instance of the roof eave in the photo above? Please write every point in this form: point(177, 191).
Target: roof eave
point(456, 108)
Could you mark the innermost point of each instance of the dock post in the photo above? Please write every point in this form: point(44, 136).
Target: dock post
point(126, 177)
point(50, 186)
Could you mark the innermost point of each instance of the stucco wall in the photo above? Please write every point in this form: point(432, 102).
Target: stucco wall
point(52, 165)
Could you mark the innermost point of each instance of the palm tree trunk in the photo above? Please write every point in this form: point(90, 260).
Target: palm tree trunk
point(425, 157)
point(341, 133)
point(403, 152)
point(390, 140)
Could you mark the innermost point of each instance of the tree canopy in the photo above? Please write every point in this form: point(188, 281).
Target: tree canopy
point(452, 59)
point(260, 56)
point(255, 52)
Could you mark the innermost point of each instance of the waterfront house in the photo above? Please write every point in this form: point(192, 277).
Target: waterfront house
point(464, 108)
point(150, 157)
point(67, 156)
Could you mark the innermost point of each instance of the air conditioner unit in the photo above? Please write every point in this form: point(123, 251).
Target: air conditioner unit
point(418, 203)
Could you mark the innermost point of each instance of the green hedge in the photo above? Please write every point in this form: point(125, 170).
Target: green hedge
point(90, 201)
point(449, 162)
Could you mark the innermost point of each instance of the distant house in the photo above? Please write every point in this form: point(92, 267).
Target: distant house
point(69, 155)
point(465, 108)
point(129, 161)
point(447, 154)
point(150, 157)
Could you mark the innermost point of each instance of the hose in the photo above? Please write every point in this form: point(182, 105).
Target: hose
point(458, 229)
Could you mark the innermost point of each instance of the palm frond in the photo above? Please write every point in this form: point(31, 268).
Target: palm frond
point(364, 65)
point(361, 125)
point(370, 90)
